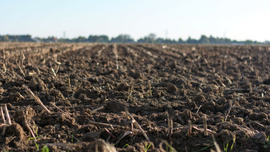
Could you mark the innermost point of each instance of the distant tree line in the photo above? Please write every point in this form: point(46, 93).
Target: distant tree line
point(16, 38)
point(125, 38)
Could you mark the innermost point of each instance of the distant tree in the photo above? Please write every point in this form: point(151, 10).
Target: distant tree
point(204, 40)
point(181, 41)
point(160, 40)
point(227, 41)
point(103, 39)
point(191, 41)
point(6, 38)
point(248, 42)
point(98, 38)
point(166, 41)
point(24, 38)
point(122, 38)
point(266, 42)
point(143, 40)
point(81, 39)
point(92, 38)
point(50, 39)
point(151, 38)
point(212, 40)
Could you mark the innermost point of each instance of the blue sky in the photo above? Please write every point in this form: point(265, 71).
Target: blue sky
point(236, 19)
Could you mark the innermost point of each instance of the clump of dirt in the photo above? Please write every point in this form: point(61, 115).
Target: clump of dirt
point(15, 137)
point(116, 106)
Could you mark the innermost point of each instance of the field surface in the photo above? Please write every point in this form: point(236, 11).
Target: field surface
point(134, 97)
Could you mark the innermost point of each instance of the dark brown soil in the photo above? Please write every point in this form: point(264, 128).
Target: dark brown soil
point(91, 90)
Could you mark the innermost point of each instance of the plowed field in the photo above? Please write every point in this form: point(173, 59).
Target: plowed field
point(134, 97)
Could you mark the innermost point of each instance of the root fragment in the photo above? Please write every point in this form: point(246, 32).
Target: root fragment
point(31, 131)
point(7, 115)
point(37, 99)
point(3, 116)
point(138, 126)
point(205, 126)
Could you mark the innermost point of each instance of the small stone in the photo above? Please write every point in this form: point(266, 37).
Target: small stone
point(157, 93)
point(200, 98)
point(136, 75)
point(173, 65)
point(259, 137)
point(171, 88)
point(122, 87)
point(82, 96)
point(115, 106)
